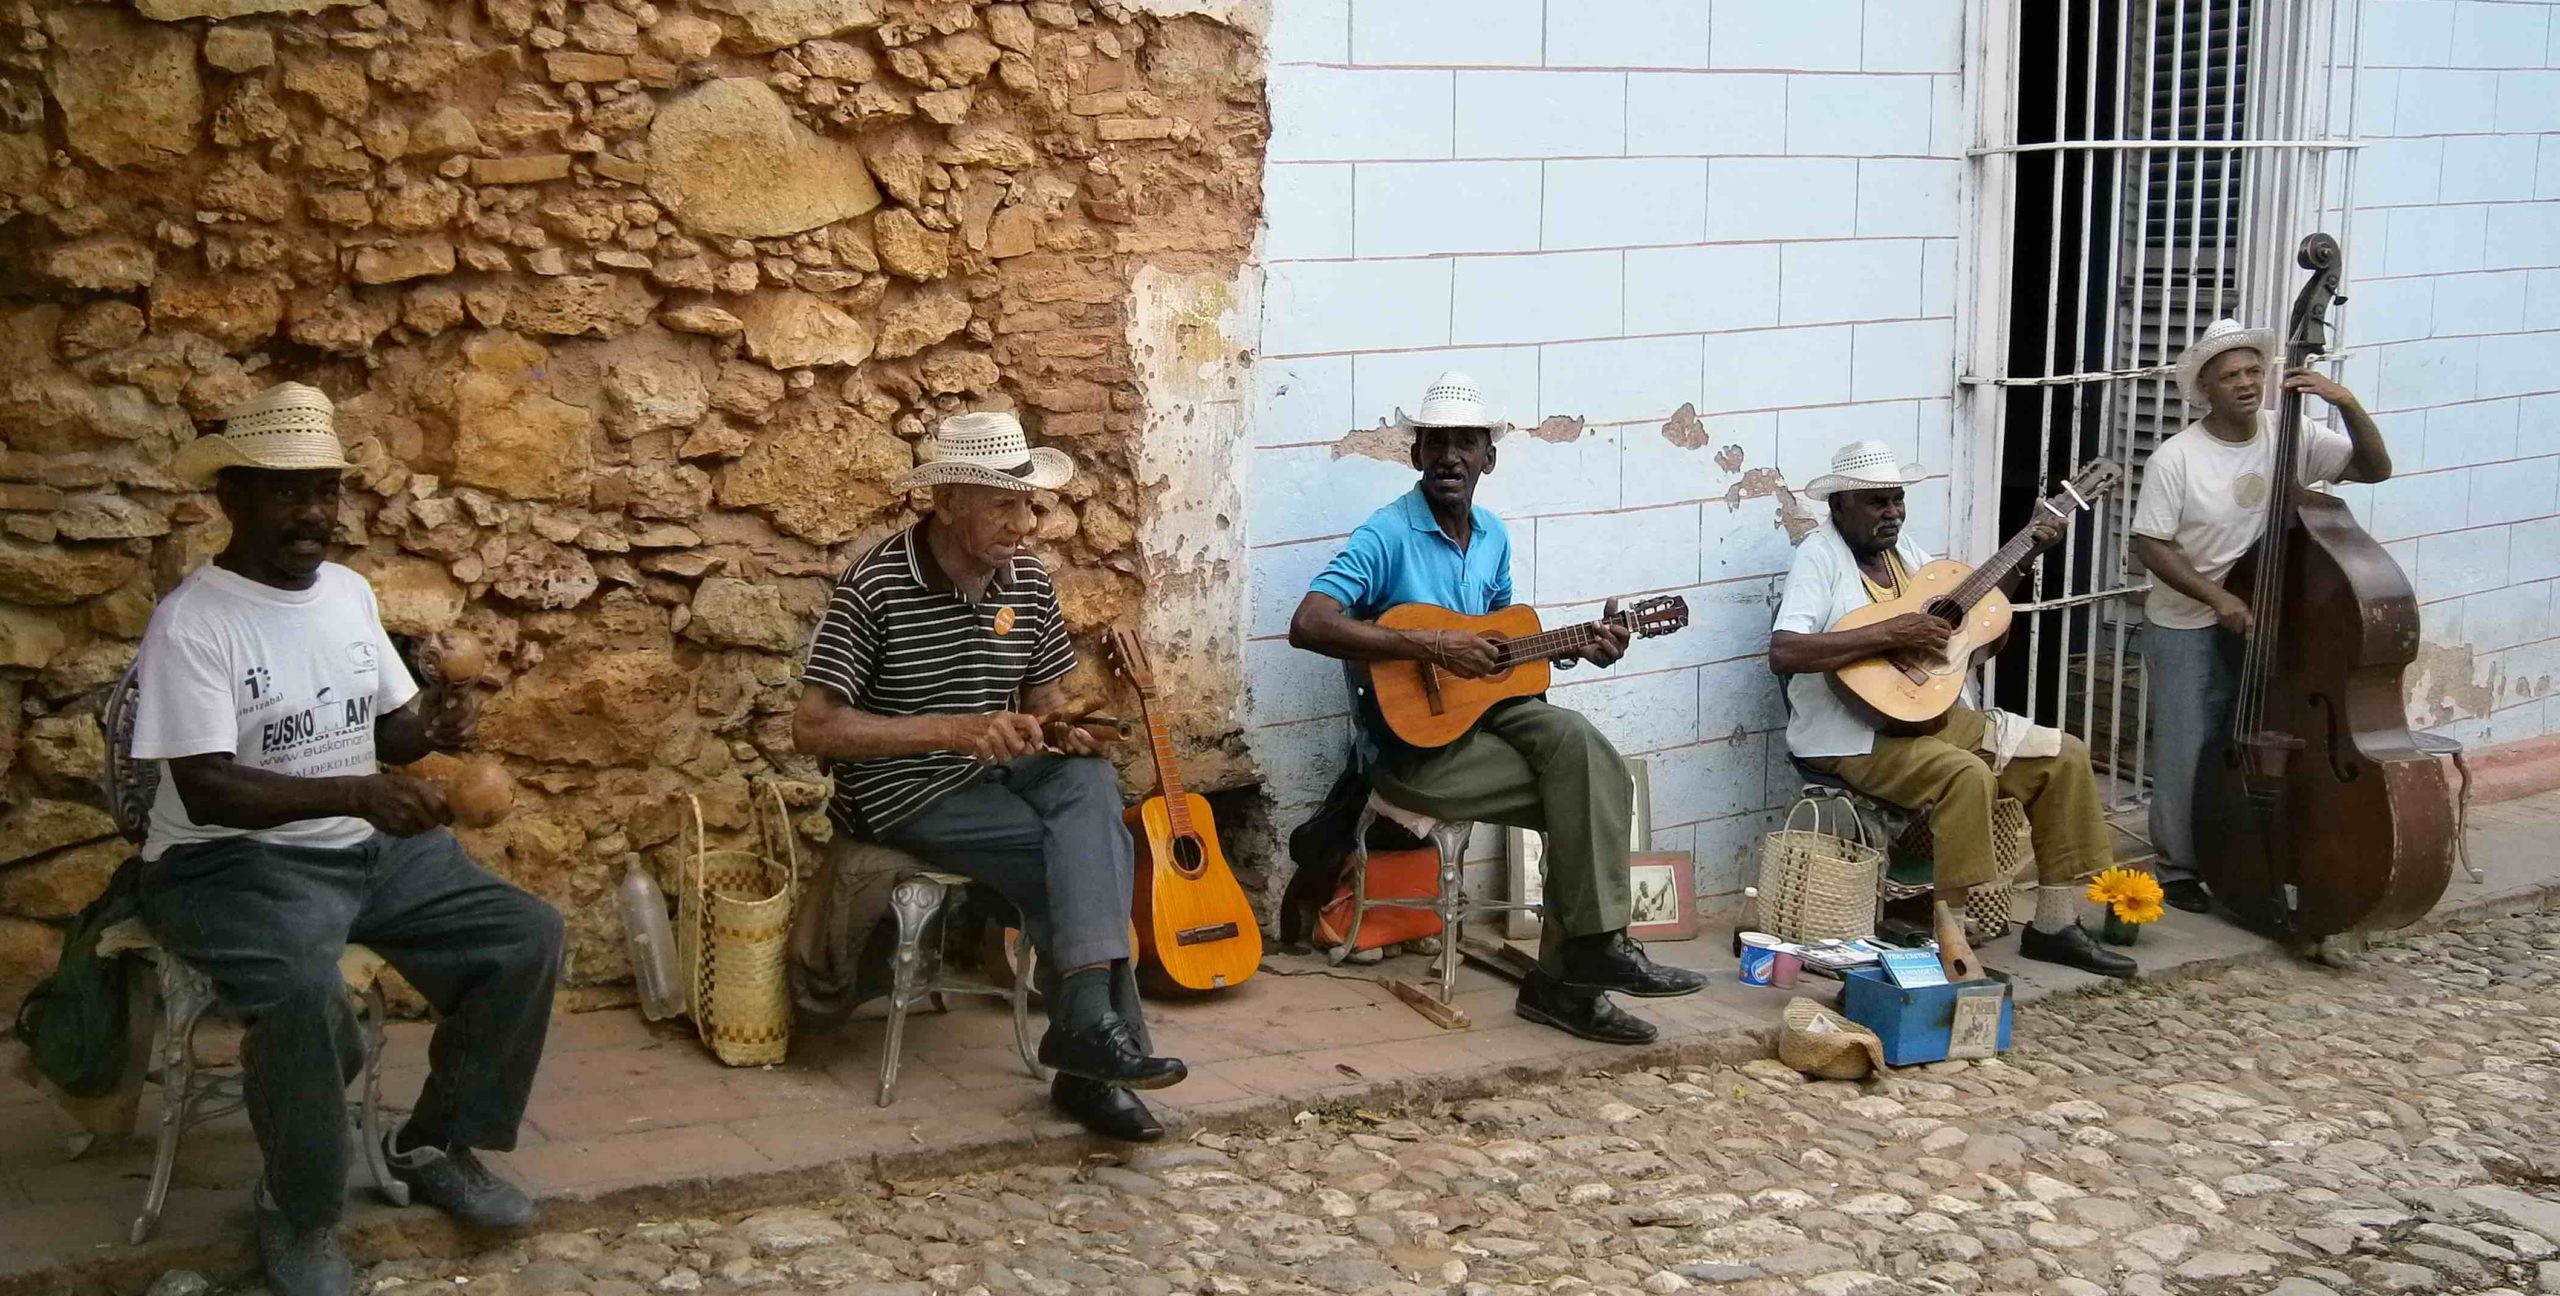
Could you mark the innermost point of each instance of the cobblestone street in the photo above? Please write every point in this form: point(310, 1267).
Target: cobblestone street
point(2272, 1128)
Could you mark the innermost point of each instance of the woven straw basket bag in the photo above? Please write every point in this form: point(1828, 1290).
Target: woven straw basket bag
point(736, 934)
point(1989, 909)
point(1816, 885)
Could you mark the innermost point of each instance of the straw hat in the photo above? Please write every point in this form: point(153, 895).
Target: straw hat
point(1453, 400)
point(1863, 465)
point(986, 449)
point(1822, 1043)
point(2220, 336)
point(288, 427)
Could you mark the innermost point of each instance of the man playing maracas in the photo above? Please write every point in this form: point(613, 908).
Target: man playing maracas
point(271, 692)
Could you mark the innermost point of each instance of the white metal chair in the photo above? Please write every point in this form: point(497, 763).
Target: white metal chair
point(915, 902)
point(192, 1092)
point(1449, 838)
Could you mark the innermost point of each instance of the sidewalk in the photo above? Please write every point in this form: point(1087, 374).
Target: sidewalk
point(635, 1118)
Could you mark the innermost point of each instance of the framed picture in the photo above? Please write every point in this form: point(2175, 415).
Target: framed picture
point(1665, 891)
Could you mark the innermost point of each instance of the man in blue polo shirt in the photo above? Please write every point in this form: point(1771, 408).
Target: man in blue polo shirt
point(1527, 764)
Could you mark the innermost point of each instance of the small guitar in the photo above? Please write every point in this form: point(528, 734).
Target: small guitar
point(1425, 706)
point(1903, 692)
point(1194, 925)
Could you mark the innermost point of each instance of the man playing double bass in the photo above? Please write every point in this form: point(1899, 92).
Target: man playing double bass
point(2202, 507)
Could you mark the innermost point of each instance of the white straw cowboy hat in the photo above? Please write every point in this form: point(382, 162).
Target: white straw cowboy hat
point(1453, 400)
point(1863, 465)
point(287, 427)
point(2220, 336)
point(986, 449)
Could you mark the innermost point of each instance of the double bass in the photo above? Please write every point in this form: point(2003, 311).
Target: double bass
point(2316, 814)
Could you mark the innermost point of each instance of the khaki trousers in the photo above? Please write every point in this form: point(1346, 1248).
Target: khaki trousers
point(1541, 767)
point(1946, 775)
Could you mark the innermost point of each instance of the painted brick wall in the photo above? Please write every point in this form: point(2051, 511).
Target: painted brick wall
point(2454, 253)
point(1696, 244)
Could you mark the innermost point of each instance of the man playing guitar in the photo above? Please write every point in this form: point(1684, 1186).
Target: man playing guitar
point(1860, 557)
point(1529, 764)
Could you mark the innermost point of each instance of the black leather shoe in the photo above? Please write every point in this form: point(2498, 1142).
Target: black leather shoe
point(1616, 961)
point(2073, 946)
point(301, 1261)
point(1586, 1013)
point(2187, 894)
point(1108, 1051)
point(1107, 1110)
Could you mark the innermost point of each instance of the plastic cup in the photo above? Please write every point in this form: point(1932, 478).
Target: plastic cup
point(1784, 967)
point(1759, 958)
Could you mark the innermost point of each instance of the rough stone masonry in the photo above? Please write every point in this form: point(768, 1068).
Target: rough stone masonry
point(632, 309)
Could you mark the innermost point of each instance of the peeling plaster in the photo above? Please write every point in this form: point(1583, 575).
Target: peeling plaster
point(1560, 429)
point(1729, 458)
point(1687, 431)
point(1389, 442)
point(1192, 337)
point(1769, 482)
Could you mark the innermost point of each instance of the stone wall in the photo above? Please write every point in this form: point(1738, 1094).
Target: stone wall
point(632, 309)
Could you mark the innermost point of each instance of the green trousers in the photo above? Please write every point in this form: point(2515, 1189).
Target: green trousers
point(1544, 768)
point(1947, 775)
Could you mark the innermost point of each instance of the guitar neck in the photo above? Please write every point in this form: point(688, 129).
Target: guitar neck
point(1570, 641)
point(1168, 772)
point(1995, 572)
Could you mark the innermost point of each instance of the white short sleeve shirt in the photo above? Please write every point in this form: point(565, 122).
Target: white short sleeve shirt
point(1822, 587)
point(286, 681)
point(2208, 497)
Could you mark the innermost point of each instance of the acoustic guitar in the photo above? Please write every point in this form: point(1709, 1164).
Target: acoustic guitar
point(1424, 706)
point(1195, 927)
point(1903, 691)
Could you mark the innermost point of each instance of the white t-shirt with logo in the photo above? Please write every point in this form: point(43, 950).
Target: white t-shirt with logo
point(286, 681)
point(2208, 496)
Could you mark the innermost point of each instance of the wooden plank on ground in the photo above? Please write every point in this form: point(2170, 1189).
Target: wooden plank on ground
point(1444, 1016)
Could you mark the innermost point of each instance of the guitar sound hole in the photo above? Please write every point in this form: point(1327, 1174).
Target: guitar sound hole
point(1188, 855)
point(1946, 610)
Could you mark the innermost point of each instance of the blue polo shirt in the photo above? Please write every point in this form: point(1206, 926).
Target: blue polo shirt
point(1400, 555)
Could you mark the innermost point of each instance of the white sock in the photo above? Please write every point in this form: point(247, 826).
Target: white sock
point(2058, 907)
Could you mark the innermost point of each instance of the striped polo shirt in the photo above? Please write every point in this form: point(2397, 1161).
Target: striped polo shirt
point(898, 640)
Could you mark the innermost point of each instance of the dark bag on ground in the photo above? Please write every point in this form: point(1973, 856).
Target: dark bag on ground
point(1322, 845)
point(74, 1022)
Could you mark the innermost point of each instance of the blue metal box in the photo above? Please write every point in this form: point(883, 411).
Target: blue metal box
point(1915, 1025)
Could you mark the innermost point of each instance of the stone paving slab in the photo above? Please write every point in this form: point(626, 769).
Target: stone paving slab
point(631, 1116)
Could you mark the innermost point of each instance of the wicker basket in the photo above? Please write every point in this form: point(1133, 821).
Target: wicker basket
point(1815, 885)
point(1989, 909)
point(736, 932)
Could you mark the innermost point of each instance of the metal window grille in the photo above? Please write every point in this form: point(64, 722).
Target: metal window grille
point(2167, 155)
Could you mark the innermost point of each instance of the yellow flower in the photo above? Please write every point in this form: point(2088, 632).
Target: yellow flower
point(2133, 894)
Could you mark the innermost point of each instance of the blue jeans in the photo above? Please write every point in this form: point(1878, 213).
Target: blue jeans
point(2189, 683)
point(1046, 833)
point(266, 924)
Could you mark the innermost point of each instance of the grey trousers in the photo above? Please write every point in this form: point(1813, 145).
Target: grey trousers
point(2189, 684)
point(1046, 833)
point(266, 925)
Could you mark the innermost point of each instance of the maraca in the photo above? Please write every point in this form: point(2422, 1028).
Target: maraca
point(479, 792)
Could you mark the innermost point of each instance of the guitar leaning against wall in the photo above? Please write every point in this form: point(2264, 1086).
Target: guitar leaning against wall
point(1195, 927)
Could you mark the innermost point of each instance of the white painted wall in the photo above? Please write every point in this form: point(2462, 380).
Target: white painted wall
point(1604, 210)
point(2454, 321)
